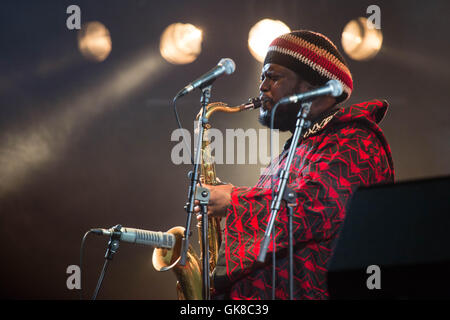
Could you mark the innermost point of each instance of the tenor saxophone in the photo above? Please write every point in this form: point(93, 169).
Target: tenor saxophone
point(189, 277)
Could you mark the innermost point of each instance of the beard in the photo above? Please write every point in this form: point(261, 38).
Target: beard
point(285, 117)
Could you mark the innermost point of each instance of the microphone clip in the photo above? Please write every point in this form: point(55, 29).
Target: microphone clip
point(113, 246)
point(114, 242)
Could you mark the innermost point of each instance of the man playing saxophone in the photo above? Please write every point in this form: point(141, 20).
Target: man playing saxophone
point(343, 149)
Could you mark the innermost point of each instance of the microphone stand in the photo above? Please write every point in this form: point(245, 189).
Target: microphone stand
point(113, 246)
point(202, 195)
point(289, 197)
point(286, 194)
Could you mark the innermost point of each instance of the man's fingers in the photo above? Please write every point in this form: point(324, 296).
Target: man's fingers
point(199, 216)
point(197, 210)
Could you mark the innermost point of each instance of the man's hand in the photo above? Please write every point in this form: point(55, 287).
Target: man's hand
point(219, 200)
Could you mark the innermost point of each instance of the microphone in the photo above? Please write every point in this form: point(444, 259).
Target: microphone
point(149, 238)
point(225, 65)
point(332, 87)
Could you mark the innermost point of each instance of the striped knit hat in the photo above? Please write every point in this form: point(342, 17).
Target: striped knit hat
point(313, 56)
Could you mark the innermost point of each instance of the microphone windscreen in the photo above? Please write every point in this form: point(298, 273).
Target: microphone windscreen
point(229, 65)
point(336, 88)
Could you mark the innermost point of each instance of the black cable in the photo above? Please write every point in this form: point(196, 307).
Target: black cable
point(181, 128)
point(81, 262)
point(193, 178)
point(182, 132)
point(100, 280)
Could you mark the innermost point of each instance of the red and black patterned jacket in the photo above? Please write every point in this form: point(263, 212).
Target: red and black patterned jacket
point(340, 152)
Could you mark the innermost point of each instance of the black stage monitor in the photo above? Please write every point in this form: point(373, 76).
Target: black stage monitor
point(404, 230)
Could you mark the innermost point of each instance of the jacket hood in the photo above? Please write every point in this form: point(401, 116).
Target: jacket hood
point(373, 110)
point(368, 114)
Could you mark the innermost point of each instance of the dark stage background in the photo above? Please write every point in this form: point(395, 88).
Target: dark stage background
point(86, 145)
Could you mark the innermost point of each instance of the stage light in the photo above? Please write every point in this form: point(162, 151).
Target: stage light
point(26, 149)
point(94, 41)
point(262, 34)
point(181, 43)
point(361, 40)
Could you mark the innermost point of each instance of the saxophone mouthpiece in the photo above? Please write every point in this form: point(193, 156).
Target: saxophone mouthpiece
point(253, 103)
point(256, 102)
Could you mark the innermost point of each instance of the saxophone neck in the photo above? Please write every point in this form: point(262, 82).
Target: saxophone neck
point(253, 103)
